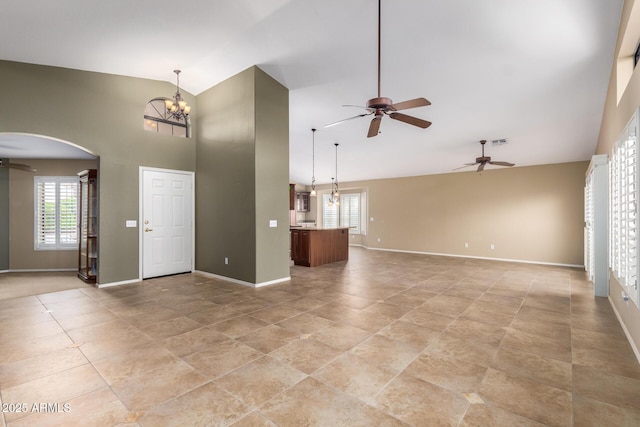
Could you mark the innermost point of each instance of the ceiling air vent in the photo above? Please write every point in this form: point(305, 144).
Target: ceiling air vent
point(499, 141)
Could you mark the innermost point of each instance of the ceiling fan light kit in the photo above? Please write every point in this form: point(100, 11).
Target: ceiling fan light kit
point(381, 106)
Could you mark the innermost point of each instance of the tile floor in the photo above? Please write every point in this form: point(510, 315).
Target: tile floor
point(386, 339)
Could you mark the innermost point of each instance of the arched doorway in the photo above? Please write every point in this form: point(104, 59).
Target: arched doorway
point(28, 159)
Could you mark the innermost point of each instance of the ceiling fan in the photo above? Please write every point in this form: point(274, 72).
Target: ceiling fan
point(483, 160)
point(19, 166)
point(381, 106)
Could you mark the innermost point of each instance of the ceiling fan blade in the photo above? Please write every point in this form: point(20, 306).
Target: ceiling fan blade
point(412, 103)
point(374, 127)
point(20, 166)
point(502, 163)
point(345, 120)
point(465, 166)
point(357, 106)
point(410, 120)
point(481, 167)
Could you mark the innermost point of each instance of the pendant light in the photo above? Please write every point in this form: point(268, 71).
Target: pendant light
point(313, 163)
point(177, 107)
point(335, 192)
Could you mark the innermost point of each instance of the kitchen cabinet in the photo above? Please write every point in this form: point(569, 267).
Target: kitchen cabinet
point(303, 201)
point(300, 246)
point(292, 197)
point(316, 246)
point(88, 225)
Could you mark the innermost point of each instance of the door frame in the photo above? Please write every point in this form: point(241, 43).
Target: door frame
point(141, 171)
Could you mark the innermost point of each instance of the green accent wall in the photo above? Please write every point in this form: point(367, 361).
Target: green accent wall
point(240, 139)
point(104, 114)
point(242, 178)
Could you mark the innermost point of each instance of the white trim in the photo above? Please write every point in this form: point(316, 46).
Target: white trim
point(242, 282)
point(141, 171)
point(4, 271)
point(624, 328)
point(478, 257)
point(124, 282)
point(79, 147)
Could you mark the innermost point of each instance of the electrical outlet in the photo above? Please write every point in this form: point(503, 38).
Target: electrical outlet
point(226, 260)
point(378, 240)
point(492, 246)
point(466, 245)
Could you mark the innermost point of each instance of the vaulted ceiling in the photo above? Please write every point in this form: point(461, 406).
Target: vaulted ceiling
point(534, 72)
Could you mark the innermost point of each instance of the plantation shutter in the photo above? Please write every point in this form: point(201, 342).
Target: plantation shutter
point(329, 213)
point(56, 211)
point(623, 205)
point(350, 212)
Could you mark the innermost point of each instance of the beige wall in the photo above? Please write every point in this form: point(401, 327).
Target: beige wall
point(530, 213)
point(21, 215)
point(616, 116)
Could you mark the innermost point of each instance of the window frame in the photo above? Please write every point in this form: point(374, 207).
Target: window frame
point(38, 243)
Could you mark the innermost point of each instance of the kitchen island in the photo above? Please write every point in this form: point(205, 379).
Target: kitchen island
point(313, 246)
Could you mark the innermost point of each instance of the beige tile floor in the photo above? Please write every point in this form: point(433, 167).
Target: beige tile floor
point(384, 339)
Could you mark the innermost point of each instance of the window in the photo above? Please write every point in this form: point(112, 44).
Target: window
point(623, 194)
point(56, 211)
point(157, 120)
point(329, 213)
point(351, 211)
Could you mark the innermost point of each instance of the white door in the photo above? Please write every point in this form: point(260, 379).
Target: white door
point(167, 223)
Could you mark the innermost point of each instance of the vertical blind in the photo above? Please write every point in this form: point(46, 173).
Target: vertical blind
point(56, 212)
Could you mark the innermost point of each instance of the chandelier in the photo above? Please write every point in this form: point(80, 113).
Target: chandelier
point(313, 163)
point(335, 192)
point(177, 107)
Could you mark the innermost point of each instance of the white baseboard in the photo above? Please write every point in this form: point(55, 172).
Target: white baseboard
point(242, 282)
point(476, 257)
point(624, 328)
point(38, 270)
point(124, 282)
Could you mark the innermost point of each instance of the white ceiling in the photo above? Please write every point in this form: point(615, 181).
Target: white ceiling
point(532, 71)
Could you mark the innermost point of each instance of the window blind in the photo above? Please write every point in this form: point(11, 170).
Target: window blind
point(350, 212)
point(623, 210)
point(56, 212)
point(329, 213)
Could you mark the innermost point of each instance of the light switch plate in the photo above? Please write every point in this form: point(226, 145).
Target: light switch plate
point(273, 223)
point(131, 223)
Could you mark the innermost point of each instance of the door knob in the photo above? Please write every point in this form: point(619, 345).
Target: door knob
point(147, 229)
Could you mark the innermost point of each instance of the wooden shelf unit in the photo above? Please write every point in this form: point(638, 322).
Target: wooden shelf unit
point(88, 226)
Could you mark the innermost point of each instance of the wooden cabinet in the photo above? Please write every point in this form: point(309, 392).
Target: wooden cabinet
point(303, 201)
point(88, 226)
point(300, 247)
point(292, 197)
point(312, 247)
